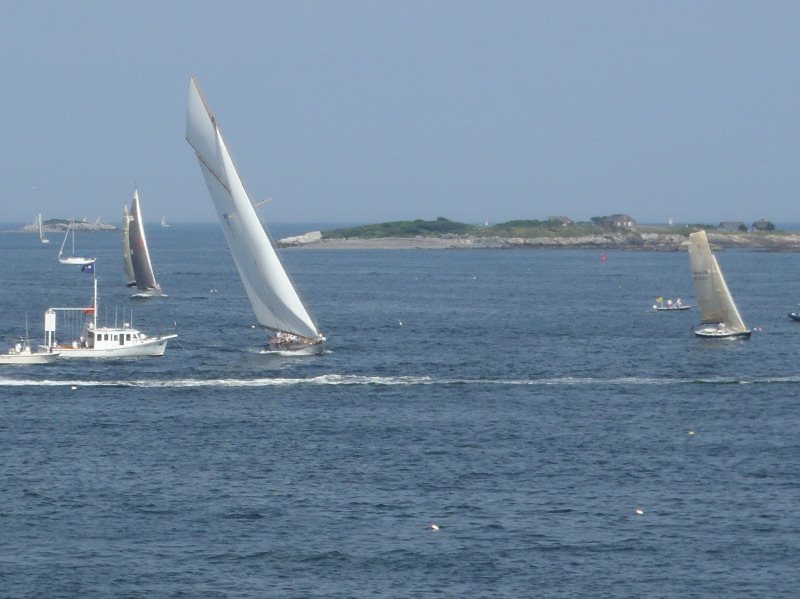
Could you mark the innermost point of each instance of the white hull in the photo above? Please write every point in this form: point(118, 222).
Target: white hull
point(152, 346)
point(148, 293)
point(77, 260)
point(28, 357)
point(312, 350)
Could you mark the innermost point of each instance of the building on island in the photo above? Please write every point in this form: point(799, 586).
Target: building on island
point(733, 225)
point(619, 220)
point(762, 225)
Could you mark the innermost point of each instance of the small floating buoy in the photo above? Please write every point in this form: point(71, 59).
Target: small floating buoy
point(639, 512)
point(73, 387)
point(399, 322)
point(433, 527)
point(691, 432)
point(603, 258)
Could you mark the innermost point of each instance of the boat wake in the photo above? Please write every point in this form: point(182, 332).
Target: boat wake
point(363, 380)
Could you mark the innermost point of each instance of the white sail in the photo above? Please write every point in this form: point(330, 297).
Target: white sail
point(127, 264)
point(42, 238)
point(713, 296)
point(272, 295)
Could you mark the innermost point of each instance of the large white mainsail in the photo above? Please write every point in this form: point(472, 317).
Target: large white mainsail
point(140, 255)
point(713, 296)
point(127, 264)
point(274, 298)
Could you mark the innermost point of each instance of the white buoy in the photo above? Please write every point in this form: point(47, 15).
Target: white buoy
point(433, 527)
point(639, 512)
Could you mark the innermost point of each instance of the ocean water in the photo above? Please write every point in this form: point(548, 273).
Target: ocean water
point(567, 440)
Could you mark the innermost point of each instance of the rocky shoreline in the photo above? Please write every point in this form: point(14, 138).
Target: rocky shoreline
point(651, 242)
point(61, 227)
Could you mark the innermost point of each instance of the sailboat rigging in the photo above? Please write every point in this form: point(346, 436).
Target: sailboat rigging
point(718, 313)
point(273, 296)
point(72, 258)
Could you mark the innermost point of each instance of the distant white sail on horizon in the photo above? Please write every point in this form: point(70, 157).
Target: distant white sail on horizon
point(713, 296)
point(274, 299)
point(42, 238)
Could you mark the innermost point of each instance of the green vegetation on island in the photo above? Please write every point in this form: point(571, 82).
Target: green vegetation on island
point(525, 229)
point(403, 228)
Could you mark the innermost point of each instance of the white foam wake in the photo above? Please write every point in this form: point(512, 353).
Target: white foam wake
point(353, 380)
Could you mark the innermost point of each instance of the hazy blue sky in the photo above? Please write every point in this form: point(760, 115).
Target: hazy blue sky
point(364, 111)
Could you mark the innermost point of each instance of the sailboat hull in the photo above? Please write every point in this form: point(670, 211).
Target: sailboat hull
point(295, 347)
point(77, 260)
point(714, 332)
point(145, 293)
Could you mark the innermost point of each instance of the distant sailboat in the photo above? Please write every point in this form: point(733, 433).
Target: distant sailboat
point(42, 238)
point(274, 299)
point(164, 221)
point(72, 258)
point(718, 314)
point(140, 256)
point(127, 264)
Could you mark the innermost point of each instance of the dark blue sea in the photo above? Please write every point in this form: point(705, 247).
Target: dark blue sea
point(567, 440)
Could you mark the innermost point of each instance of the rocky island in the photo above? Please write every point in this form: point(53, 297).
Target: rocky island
point(60, 225)
point(446, 234)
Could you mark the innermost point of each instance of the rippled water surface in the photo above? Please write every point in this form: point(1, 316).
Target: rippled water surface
point(567, 440)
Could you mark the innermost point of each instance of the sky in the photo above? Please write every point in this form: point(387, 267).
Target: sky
point(370, 111)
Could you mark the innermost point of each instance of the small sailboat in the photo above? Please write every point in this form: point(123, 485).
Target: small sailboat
point(143, 274)
point(89, 340)
point(42, 238)
point(718, 314)
point(72, 258)
point(272, 294)
point(164, 221)
point(127, 263)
